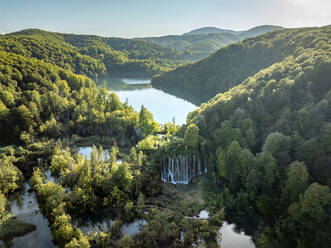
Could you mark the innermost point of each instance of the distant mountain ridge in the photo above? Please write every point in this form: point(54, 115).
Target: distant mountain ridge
point(243, 34)
point(210, 30)
point(204, 41)
point(230, 65)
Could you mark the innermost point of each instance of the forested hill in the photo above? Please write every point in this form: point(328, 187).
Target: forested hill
point(230, 65)
point(244, 34)
point(92, 55)
point(269, 142)
point(202, 42)
point(42, 100)
point(210, 30)
point(200, 45)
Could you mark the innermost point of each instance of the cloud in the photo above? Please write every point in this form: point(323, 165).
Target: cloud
point(318, 7)
point(299, 13)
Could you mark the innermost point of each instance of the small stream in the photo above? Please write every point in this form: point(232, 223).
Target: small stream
point(26, 209)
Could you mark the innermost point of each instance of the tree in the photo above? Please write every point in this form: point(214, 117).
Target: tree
point(81, 242)
point(146, 123)
point(11, 177)
point(191, 137)
point(266, 164)
point(310, 218)
point(221, 162)
point(296, 182)
point(126, 242)
point(3, 204)
point(51, 128)
point(278, 145)
point(233, 164)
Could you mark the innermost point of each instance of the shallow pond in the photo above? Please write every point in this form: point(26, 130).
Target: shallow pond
point(105, 226)
point(26, 209)
point(133, 228)
point(162, 105)
point(204, 214)
point(229, 238)
point(95, 226)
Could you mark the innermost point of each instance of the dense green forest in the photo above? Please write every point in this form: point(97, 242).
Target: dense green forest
point(258, 30)
point(93, 56)
point(230, 65)
point(200, 45)
point(204, 41)
point(46, 110)
point(265, 140)
point(40, 99)
point(268, 142)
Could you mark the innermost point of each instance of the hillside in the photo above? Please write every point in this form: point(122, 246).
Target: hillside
point(39, 99)
point(230, 65)
point(92, 55)
point(267, 143)
point(258, 31)
point(200, 45)
point(210, 30)
point(202, 42)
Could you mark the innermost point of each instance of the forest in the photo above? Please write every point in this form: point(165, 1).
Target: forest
point(93, 56)
point(231, 65)
point(260, 149)
point(204, 41)
point(268, 138)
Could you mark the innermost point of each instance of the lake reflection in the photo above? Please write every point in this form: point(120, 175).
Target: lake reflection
point(27, 210)
point(231, 239)
point(138, 92)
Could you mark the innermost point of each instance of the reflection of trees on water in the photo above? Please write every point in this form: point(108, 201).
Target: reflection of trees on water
point(193, 96)
point(119, 84)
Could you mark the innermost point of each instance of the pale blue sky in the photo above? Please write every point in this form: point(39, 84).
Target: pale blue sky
point(136, 18)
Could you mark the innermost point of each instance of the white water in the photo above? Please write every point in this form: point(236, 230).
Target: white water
point(181, 170)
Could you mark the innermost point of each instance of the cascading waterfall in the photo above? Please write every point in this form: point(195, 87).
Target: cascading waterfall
point(182, 169)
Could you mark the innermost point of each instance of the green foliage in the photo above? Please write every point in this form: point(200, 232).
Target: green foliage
point(230, 65)
point(191, 136)
point(146, 123)
point(37, 94)
point(202, 42)
point(296, 182)
point(126, 242)
point(93, 56)
point(308, 219)
point(3, 204)
point(11, 177)
point(268, 137)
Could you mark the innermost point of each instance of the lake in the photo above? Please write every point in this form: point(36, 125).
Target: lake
point(137, 92)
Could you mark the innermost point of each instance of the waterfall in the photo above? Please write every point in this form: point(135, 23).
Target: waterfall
point(182, 169)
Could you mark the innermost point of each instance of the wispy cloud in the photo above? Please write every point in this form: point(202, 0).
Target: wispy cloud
point(319, 7)
point(296, 13)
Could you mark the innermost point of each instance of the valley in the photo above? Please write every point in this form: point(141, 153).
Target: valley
point(213, 138)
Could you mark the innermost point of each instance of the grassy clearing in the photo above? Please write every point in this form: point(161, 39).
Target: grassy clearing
point(186, 199)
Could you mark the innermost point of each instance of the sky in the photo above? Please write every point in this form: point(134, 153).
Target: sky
point(140, 18)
